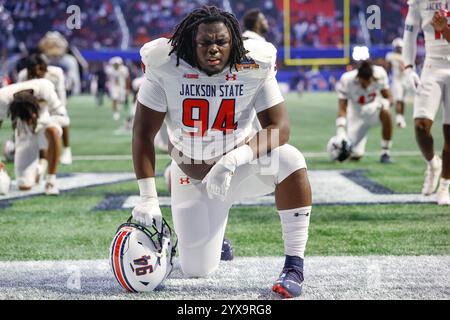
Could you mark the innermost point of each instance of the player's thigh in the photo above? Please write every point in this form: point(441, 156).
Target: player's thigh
point(446, 100)
point(199, 224)
point(262, 175)
point(429, 95)
point(357, 129)
point(398, 91)
point(26, 159)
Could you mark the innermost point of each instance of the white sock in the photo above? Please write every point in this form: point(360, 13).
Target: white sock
point(386, 145)
point(444, 184)
point(294, 224)
point(434, 162)
point(51, 178)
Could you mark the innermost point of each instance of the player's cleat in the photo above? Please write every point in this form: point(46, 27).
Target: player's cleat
point(66, 156)
point(432, 177)
point(443, 197)
point(227, 251)
point(385, 158)
point(51, 189)
point(289, 284)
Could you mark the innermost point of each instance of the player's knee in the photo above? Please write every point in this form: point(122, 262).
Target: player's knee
point(25, 183)
point(423, 125)
point(196, 268)
point(52, 133)
point(290, 159)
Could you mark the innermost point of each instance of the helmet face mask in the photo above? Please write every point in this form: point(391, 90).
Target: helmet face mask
point(142, 258)
point(339, 149)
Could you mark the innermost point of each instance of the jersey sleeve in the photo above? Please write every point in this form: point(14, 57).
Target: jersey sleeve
point(152, 95)
point(383, 79)
point(265, 54)
point(412, 28)
point(342, 88)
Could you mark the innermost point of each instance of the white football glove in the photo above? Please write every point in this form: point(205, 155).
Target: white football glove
point(218, 180)
point(412, 79)
point(147, 212)
point(400, 120)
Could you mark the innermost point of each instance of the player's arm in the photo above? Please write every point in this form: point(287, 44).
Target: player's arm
point(147, 123)
point(341, 120)
point(150, 112)
point(412, 28)
point(275, 130)
point(61, 88)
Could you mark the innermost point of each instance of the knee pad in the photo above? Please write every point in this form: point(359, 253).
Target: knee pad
point(290, 160)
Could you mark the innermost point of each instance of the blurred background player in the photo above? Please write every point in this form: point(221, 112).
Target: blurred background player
point(432, 89)
point(56, 48)
point(34, 130)
point(255, 24)
point(37, 67)
point(364, 100)
point(396, 65)
point(118, 84)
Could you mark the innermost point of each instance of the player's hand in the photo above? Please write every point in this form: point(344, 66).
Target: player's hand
point(412, 79)
point(218, 180)
point(400, 121)
point(439, 21)
point(147, 212)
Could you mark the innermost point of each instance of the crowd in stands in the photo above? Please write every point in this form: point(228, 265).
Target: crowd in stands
point(312, 22)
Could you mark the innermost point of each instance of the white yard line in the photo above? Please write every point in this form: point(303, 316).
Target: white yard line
point(365, 277)
point(167, 157)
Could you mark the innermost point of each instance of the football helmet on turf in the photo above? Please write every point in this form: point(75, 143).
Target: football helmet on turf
point(339, 148)
point(8, 150)
point(142, 258)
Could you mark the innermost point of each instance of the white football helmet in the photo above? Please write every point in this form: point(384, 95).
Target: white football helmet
point(5, 182)
point(9, 150)
point(141, 259)
point(397, 43)
point(339, 148)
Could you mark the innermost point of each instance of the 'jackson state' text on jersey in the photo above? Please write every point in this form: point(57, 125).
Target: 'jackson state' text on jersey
point(208, 115)
point(420, 15)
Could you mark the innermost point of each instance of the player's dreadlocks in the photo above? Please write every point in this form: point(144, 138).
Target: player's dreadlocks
point(23, 107)
point(183, 40)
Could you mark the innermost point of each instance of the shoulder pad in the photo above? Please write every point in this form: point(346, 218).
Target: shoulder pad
point(379, 72)
point(262, 52)
point(155, 53)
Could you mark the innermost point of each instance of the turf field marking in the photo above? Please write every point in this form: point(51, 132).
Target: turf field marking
point(167, 157)
point(66, 182)
point(364, 277)
point(330, 187)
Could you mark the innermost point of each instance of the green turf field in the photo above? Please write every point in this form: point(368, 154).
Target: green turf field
point(68, 227)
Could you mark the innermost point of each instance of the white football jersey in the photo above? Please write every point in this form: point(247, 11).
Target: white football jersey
point(397, 65)
point(117, 77)
point(208, 115)
point(43, 90)
point(420, 14)
point(350, 89)
point(55, 75)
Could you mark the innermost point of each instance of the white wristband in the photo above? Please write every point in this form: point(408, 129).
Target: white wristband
point(147, 188)
point(341, 122)
point(385, 103)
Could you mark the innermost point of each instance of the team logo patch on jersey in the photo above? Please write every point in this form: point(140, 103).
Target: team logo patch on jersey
point(185, 180)
point(190, 76)
point(247, 63)
point(232, 77)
